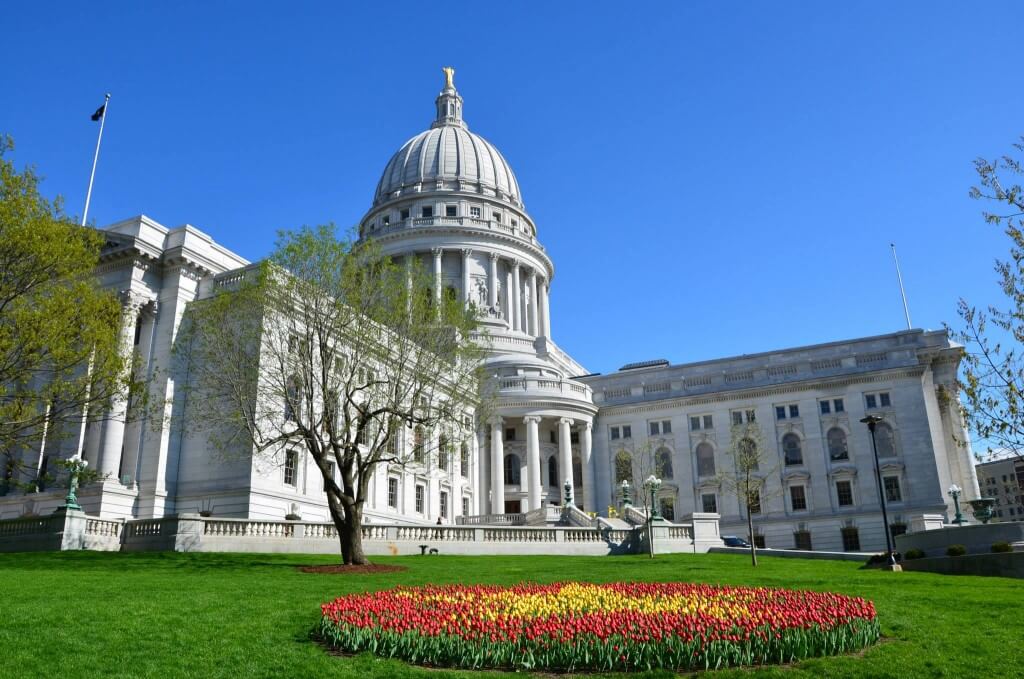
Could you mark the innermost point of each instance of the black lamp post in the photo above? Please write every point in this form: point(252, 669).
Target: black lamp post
point(872, 421)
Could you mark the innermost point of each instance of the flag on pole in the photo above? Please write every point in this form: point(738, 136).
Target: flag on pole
point(98, 115)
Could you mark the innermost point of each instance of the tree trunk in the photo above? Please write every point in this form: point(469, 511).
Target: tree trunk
point(348, 521)
point(750, 532)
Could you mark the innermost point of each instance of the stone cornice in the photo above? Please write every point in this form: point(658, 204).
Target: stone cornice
point(761, 392)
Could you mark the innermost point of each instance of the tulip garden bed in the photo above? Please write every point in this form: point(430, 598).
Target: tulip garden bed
point(575, 626)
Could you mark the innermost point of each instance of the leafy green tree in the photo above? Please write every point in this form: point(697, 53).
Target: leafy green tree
point(60, 359)
point(992, 382)
point(331, 350)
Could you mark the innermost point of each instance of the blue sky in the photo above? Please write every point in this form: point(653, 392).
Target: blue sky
point(710, 179)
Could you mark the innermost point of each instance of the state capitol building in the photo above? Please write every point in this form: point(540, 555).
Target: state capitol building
point(448, 198)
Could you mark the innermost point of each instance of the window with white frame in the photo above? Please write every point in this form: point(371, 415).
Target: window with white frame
point(705, 459)
point(465, 506)
point(464, 460)
point(885, 440)
point(698, 422)
point(393, 492)
point(709, 503)
point(291, 467)
point(878, 399)
point(837, 450)
point(893, 493)
point(444, 504)
point(451, 210)
point(624, 431)
point(427, 211)
point(659, 427)
point(421, 492)
point(741, 416)
point(474, 211)
point(797, 498)
point(789, 411)
point(829, 406)
point(791, 450)
point(844, 493)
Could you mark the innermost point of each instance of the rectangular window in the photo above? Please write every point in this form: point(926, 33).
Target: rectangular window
point(444, 504)
point(709, 503)
point(614, 433)
point(291, 461)
point(451, 210)
point(780, 412)
point(844, 493)
point(794, 410)
point(465, 506)
point(574, 437)
point(802, 540)
point(892, 489)
point(737, 417)
point(514, 222)
point(837, 405)
point(474, 212)
point(404, 214)
point(393, 493)
point(797, 498)
point(897, 529)
point(554, 436)
point(883, 399)
point(627, 432)
point(708, 422)
point(666, 426)
point(510, 434)
point(755, 502)
point(851, 540)
point(871, 401)
point(655, 430)
point(496, 216)
point(420, 494)
point(751, 416)
point(385, 220)
point(694, 423)
point(826, 407)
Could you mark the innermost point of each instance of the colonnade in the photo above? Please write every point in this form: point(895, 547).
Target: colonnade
point(526, 298)
point(535, 491)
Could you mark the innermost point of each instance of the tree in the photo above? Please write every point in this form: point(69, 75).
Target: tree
point(331, 349)
point(992, 386)
point(751, 467)
point(650, 468)
point(61, 359)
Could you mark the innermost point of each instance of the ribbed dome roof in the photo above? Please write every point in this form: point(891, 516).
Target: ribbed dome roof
point(448, 156)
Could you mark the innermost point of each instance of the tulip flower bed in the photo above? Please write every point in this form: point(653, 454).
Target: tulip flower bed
point(583, 626)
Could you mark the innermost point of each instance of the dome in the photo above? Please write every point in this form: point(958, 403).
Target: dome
point(448, 157)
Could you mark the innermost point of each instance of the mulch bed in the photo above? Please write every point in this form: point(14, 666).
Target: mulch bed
point(341, 569)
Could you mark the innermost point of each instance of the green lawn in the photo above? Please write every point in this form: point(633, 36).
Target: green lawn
point(81, 614)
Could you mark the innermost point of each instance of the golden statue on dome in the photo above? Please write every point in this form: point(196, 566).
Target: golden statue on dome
point(449, 77)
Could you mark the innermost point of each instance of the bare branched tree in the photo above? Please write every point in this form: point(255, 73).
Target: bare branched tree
point(752, 466)
point(332, 350)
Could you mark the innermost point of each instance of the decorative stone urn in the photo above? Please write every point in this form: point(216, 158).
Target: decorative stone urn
point(982, 508)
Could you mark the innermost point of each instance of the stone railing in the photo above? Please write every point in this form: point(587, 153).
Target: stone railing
point(514, 385)
point(635, 516)
point(492, 520)
point(108, 528)
point(29, 525)
point(575, 516)
point(537, 517)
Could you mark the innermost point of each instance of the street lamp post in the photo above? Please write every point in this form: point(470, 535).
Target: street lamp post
point(954, 492)
point(568, 492)
point(872, 421)
point(652, 484)
point(626, 499)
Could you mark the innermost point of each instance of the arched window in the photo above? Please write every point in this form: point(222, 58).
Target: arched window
point(667, 507)
point(791, 449)
point(623, 467)
point(512, 469)
point(705, 460)
point(663, 463)
point(444, 453)
point(885, 440)
point(837, 449)
point(464, 460)
point(553, 471)
point(748, 454)
point(419, 444)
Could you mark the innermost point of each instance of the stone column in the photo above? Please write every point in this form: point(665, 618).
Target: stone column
point(517, 310)
point(437, 276)
point(533, 460)
point(492, 282)
point(497, 468)
point(565, 457)
point(587, 463)
point(546, 318)
point(482, 471)
point(467, 296)
point(534, 329)
point(113, 428)
point(509, 306)
point(134, 435)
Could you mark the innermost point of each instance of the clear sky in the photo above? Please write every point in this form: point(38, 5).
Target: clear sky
point(711, 179)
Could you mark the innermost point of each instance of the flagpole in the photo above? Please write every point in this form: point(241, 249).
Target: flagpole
point(899, 277)
point(95, 157)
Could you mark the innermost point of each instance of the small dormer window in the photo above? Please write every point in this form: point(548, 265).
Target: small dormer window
point(427, 211)
point(451, 210)
point(385, 220)
point(496, 216)
point(515, 222)
point(474, 212)
point(404, 213)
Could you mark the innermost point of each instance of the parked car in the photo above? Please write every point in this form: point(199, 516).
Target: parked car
point(733, 541)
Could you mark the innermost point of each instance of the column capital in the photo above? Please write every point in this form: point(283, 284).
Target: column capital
point(587, 425)
point(132, 300)
point(494, 256)
point(532, 275)
point(532, 418)
point(497, 421)
point(467, 252)
point(515, 263)
point(437, 251)
point(565, 420)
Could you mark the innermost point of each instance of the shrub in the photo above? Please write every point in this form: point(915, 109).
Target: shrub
point(999, 547)
point(956, 550)
point(913, 553)
point(883, 559)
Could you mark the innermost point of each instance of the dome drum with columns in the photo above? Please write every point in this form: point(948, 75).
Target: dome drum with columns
point(448, 198)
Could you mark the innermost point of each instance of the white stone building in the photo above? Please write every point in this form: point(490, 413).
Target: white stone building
point(450, 199)
point(1002, 480)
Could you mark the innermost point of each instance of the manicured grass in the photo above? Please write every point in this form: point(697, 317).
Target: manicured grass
point(227, 615)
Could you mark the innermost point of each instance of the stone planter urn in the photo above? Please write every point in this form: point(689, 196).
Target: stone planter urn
point(982, 508)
